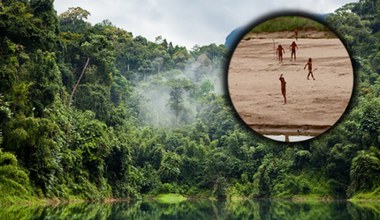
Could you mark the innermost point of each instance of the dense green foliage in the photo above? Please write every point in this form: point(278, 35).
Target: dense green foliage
point(90, 111)
point(289, 23)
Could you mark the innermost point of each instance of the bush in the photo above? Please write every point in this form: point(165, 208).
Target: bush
point(13, 180)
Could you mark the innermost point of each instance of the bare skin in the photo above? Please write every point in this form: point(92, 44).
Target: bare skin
point(283, 87)
point(310, 68)
point(280, 50)
point(293, 48)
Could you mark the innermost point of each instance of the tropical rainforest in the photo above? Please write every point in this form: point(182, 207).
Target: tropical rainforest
point(92, 112)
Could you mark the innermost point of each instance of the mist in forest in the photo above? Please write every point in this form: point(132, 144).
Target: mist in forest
point(185, 88)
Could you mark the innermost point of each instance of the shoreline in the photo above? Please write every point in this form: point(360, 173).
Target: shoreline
point(290, 34)
point(306, 130)
point(296, 198)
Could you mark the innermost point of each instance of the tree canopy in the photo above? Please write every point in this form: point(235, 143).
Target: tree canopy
point(148, 117)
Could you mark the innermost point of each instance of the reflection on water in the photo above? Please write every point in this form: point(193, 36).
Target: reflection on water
point(289, 138)
point(203, 209)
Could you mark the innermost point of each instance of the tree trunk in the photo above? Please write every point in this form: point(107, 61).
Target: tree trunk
point(76, 85)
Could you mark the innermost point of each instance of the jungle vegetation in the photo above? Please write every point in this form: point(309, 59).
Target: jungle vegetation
point(289, 23)
point(91, 111)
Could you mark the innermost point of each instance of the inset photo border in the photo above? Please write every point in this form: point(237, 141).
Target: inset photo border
point(290, 78)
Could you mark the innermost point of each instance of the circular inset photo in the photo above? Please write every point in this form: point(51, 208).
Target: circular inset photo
point(290, 78)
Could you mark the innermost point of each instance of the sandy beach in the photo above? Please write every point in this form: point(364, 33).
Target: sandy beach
point(313, 105)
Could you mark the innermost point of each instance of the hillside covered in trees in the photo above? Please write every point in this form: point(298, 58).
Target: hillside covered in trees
point(91, 111)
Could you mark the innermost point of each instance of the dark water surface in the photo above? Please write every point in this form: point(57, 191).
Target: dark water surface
point(204, 209)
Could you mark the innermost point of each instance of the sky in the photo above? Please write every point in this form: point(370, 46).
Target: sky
point(189, 23)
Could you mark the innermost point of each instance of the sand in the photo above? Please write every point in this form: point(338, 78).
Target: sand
point(313, 106)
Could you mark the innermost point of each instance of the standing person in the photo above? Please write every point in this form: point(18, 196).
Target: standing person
point(310, 68)
point(279, 52)
point(293, 47)
point(296, 33)
point(283, 87)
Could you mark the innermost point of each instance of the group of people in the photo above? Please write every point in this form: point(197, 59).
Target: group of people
point(279, 52)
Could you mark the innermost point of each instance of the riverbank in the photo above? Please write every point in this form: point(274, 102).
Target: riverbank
point(173, 198)
point(30, 200)
point(36, 201)
point(205, 209)
point(367, 196)
point(290, 34)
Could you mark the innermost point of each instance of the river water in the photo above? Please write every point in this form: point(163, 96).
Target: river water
point(200, 209)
